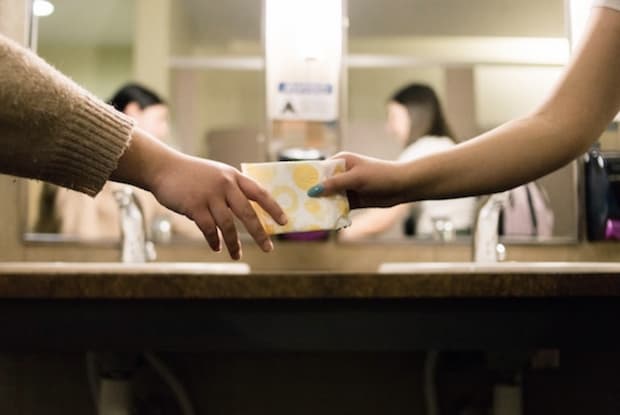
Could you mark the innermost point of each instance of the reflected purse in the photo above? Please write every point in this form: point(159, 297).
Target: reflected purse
point(602, 187)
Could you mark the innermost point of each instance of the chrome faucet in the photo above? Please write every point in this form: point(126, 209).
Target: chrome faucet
point(486, 246)
point(135, 246)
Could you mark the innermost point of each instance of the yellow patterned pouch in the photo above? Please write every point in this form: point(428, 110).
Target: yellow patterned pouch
point(288, 183)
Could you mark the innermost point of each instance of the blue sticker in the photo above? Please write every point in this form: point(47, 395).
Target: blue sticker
point(305, 88)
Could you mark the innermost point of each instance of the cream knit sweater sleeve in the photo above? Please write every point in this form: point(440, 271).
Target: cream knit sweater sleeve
point(53, 130)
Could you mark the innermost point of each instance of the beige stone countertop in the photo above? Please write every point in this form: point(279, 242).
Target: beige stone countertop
point(51, 280)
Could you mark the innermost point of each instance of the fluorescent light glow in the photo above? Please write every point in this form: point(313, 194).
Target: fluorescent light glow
point(303, 58)
point(312, 26)
point(578, 14)
point(42, 8)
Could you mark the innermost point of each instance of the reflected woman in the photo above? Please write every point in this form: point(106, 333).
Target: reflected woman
point(416, 120)
point(83, 217)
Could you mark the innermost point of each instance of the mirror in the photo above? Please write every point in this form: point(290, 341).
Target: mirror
point(487, 61)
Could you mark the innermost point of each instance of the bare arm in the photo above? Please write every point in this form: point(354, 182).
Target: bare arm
point(54, 130)
point(563, 127)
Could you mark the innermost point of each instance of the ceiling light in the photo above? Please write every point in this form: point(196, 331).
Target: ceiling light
point(42, 8)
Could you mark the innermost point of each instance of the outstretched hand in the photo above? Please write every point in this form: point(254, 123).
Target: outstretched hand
point(368, 182)
point(209, 193)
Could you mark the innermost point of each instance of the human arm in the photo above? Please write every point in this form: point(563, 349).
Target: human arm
point(563, 127)
point(51, 128)
point(54, 130)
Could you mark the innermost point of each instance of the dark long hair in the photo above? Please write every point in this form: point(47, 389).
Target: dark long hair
point(139, 94)
point(424, 108)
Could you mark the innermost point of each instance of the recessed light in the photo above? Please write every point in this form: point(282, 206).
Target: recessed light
point(42, 8)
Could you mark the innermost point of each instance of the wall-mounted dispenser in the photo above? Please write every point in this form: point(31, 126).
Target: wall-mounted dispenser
point(304, 43)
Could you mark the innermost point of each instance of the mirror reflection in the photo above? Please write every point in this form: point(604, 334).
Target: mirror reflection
point(422, 76)
point(416, 122)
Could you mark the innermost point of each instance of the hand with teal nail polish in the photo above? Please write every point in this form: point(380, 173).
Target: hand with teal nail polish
point(316, 191)
point(368, 182)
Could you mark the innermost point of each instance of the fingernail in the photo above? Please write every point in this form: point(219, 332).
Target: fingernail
point(316, 190)
point(283, 219)
point(268, 246)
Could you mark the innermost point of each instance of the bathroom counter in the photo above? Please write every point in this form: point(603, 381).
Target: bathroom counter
point(232, 281)
point(200, 307)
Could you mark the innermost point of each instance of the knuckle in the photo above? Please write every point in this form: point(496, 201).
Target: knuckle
point(203, 218)
point(225, 183)
point(207, 227)
point(260, 236)
point(225, 180)
point(262, 193)
point(248, 214)
point(255, 228)
point(227, 224)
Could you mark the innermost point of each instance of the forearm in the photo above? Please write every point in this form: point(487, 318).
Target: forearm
point(501, 159)
point(52, 129)
point(574, 115)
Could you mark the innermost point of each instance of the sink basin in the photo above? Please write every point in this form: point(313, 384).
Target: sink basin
point(507, 267)
point(115, 267)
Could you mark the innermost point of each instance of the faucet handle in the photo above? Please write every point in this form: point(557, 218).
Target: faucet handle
point(486, 239)
point(498, 200)
point(150, 253)
point(135, 247)
point(500, 251)
point(123, 196)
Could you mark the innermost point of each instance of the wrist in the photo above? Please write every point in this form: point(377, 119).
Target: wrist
point(412, 180)
point(144, 162)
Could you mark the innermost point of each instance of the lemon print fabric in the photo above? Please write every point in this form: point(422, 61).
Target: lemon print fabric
point(287, 199)
point(305, 176)
point(262, 173)
point(288, 183)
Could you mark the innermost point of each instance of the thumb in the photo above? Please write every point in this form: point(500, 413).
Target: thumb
point(339, 183)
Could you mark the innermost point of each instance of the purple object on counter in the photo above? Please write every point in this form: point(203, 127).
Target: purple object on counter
point(305, 236)
point(612, 229)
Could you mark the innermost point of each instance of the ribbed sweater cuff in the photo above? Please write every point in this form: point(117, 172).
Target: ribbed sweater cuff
point(89, 146)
